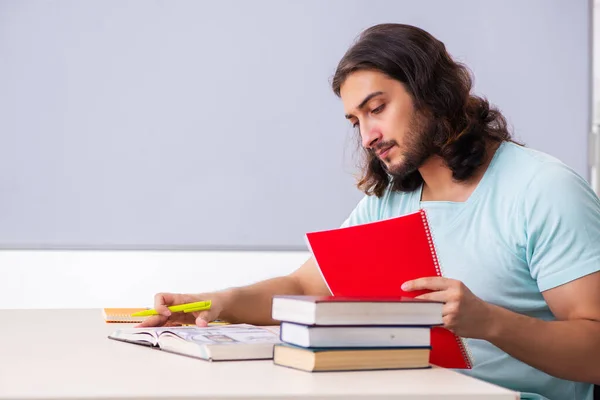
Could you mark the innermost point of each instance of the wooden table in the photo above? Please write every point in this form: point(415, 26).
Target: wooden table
point(65, 354)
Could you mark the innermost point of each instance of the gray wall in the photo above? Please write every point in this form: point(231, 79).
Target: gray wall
point(202, 124)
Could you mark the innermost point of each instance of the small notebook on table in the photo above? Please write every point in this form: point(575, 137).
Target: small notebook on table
point(115, 314)
point(123, 315)
point(374, 259)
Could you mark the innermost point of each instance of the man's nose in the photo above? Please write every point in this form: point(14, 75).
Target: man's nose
point(370, 138)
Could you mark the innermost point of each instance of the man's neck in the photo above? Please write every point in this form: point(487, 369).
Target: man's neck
point(440, 186)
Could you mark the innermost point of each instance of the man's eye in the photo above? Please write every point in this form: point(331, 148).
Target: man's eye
point(379, 109)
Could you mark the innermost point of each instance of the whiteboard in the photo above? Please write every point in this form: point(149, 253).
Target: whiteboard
point(211, 125)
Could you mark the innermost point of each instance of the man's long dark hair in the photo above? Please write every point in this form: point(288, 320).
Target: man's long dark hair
point(463, 123)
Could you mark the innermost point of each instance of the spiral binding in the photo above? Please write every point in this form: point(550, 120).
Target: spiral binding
point(462, 345)
point(429, 234)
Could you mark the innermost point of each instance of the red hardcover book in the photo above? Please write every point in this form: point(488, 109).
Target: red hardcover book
point(374, 259)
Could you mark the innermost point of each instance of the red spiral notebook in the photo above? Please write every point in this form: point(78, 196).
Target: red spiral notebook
point(374, 259)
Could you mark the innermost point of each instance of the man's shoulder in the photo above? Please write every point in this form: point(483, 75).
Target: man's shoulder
point(525, 167)
point(540, 180)
point(520, 156)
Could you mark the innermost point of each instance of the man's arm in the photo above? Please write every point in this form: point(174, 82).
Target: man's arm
point(568, 348)
point(247, 304)
point(252, 304)
point(561, 220)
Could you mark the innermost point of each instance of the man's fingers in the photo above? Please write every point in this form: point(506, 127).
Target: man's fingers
point(202, 318)
point(160, 320)
point(161, 301)
point(434, 296)
point(155, 320)
point(431, 283)
point(165, 317)
point(163, 310)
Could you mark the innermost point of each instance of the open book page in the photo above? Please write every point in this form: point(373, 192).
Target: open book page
point(224, 335)
point(147, 336)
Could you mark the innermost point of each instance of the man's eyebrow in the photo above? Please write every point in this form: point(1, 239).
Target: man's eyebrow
point(365, 101)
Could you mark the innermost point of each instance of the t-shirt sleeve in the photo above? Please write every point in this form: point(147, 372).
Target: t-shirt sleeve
point(562, 224)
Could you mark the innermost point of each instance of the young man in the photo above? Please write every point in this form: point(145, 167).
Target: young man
point(517, 231)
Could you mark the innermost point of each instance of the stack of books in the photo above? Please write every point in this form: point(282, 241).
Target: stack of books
point(350, 333)
point(369, 322)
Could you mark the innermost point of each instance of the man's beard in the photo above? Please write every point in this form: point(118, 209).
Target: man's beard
point(418, 147)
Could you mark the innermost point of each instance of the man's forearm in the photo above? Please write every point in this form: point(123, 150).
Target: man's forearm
point(252, 304)
point(565, 349)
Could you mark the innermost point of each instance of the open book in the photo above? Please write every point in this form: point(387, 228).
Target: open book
point(219, 343)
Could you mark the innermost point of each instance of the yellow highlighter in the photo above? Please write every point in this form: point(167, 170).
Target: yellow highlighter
point(186, 308)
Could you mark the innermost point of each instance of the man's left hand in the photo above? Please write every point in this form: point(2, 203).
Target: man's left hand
point(463, 313)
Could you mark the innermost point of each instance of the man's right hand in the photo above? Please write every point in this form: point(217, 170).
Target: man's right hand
point(250, 304)
point(167, 318)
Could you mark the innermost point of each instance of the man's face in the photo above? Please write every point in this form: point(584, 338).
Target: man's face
point(383, 111)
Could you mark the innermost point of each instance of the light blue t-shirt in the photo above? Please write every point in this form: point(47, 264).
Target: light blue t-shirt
point(531, 224)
